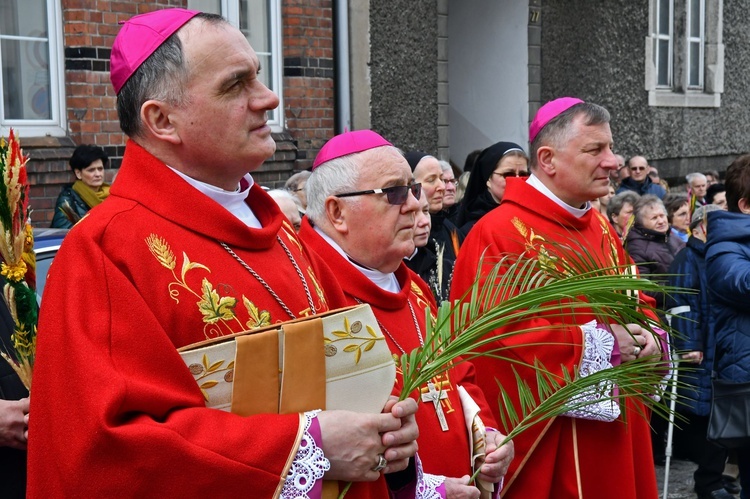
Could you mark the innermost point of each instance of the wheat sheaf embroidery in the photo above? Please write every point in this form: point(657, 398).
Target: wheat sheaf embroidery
point(218, 312)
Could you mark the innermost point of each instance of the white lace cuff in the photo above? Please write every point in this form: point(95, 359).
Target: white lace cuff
point(427, 484)
point(308, 466)
point(598, 345)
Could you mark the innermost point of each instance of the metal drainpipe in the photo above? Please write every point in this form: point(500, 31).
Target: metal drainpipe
point(341, 57)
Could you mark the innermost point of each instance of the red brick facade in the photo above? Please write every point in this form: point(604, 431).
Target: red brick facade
point(89, 29)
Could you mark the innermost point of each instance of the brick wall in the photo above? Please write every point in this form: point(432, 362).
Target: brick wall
point(308, 75)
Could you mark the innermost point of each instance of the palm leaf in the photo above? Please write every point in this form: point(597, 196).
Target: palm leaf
point(515, 289)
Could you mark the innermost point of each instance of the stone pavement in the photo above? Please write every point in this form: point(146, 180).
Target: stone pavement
point(680, 480)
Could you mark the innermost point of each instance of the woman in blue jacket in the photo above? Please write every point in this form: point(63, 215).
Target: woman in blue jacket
point(728, 272)
point(695, 343)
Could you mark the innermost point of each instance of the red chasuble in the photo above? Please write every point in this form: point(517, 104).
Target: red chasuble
point(117, 411)
point(566, 458)
point(442, 452)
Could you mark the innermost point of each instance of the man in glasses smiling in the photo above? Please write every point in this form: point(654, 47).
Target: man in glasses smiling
point(639, 180)
point(362, 204)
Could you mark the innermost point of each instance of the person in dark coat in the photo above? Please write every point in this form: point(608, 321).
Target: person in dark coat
point(88, 163)
point(424, 261)
point(695, 342)
point(649, 242)
point(444, 233)
point(14, 408)
point(652, 247)
point(487, 181)
point(728, 276)
point(639, 181)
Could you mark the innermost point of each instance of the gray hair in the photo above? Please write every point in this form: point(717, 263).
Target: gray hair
point(163, 76)
point(293, 182)
point(332, 177)
point(694, 176)
point(700, 214)
point(618, 201)
point(646, 201)
point(559, 130)
point(285, 194)
point(445, 165)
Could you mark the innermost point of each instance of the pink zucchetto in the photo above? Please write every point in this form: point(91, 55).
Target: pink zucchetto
point(349, 143)
point(549, 111)
point(139, 37)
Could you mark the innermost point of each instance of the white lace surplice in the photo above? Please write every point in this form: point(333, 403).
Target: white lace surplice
point(308, 467)
point(598, 345)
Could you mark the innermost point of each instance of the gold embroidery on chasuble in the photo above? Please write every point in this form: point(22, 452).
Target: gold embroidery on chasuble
point(218, 311)
point(353, 339)
point(421, 301)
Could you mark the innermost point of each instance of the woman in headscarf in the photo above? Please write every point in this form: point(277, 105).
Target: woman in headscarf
point(487, 182)
point(75, 200)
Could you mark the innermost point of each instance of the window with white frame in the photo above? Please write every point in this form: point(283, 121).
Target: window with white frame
point(260, 21)
point(32, 78)
point(685, 53)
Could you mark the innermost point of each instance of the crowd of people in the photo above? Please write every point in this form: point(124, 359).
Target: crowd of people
point(188, 246)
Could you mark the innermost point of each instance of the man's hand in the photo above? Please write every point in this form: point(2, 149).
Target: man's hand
point(13, 423)
point(634, 341)
point(353, 441)
point(459, 488)
point(498, 458)
point(402, 443)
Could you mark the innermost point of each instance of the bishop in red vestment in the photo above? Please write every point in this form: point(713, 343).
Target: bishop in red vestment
point(186, 248)
point(578, 455)
point(363, 235)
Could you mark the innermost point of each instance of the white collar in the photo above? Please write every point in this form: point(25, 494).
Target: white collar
point(232, 201)
point(387, 282)
point(537, 184)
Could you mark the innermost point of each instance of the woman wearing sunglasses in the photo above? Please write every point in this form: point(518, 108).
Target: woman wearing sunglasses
point(487, 181)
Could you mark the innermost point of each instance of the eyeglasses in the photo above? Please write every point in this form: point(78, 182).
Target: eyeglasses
point(450, 181)
point(396, 195)
point(637, 168)
point(511, 174)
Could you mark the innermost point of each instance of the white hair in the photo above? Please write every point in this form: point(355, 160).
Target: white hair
point(690, 177)
point(332, 177)
point(285, 194)
point(445, 165)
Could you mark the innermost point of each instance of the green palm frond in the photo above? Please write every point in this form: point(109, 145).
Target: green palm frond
point(516, 289)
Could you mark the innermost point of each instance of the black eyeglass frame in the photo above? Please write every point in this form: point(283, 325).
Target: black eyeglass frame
point(396, 195)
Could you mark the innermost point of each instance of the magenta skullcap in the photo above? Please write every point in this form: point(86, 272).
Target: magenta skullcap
point(139, 37)
point(349, 143)
point(548, 112)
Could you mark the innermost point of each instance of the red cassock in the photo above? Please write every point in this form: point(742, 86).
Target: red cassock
point(116, 412)
point(567, 457)
point(441, 452)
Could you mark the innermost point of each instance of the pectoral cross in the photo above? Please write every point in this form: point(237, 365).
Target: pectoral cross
point(433, 395)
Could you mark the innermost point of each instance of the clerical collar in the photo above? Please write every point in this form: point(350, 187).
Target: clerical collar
point(387, 282)
point(537, 184)
point(232, 201)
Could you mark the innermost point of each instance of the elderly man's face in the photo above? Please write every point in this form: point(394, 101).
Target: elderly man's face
point(699, 186)
point(449, 198)
point(581, 167)
point(379, 235)
point(638, 167)
point(429, 173)
point(222, 126)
